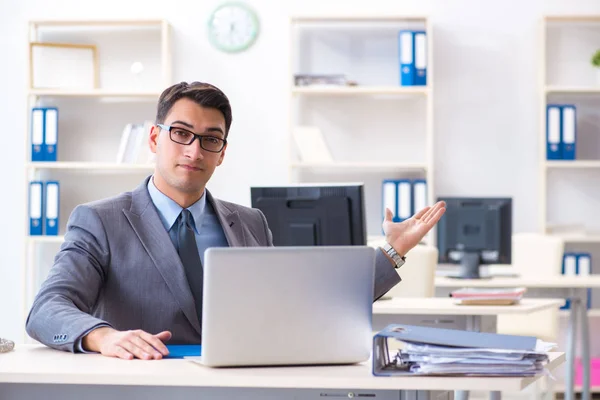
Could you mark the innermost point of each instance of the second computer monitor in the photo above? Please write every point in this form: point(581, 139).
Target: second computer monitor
point(313, 215)
point(475, 231)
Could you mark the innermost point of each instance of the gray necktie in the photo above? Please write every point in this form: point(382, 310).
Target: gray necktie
point(188, 253)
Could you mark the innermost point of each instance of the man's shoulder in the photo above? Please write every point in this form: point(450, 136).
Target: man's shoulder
point(109, 204)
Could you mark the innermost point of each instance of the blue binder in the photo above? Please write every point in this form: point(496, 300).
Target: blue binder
point(420, 51)
point(36, 208)
point(50, 133)
point(52, 203)
point(37, 134)
point(553, 132)
point(568, 132)
point(406, 51)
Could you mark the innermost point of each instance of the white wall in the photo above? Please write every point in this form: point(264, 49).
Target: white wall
point(486, 102)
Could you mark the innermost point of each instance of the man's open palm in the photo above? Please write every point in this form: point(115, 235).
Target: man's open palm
point(405, 235)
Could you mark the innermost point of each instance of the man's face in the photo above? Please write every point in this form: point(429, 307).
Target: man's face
point(187, 168)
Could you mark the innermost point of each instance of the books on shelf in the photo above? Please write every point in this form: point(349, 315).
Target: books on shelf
point(133, 148)
point(311, 145)
point(44, 201)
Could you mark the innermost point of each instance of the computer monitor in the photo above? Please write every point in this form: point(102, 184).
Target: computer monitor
point(475, 231)
point(313, 215)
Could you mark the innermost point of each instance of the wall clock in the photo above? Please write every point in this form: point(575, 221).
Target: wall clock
point(233, 27)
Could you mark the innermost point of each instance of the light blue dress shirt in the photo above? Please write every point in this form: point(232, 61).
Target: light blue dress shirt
point(210, 233)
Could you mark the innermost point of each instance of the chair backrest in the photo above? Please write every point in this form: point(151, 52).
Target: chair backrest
point(418, 273)
point(535, 254)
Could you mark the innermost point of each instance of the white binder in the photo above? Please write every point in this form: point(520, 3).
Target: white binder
point(570, 265)
point(419, 195)
point(404, 200)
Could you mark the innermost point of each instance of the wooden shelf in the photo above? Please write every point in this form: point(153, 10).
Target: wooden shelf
point(573, 164)
point(593, 313)
point(579, 238)
point(364, 166)
point(360, 90)
point(46, 239)
point(572, 18)
point(573, 89)
point(560, 388)
point(90, 166)
point(98, 22)
point(358, 18)
point(147, 95)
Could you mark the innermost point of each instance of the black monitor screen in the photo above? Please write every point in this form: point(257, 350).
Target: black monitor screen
point(475, 231)
point(313, 215)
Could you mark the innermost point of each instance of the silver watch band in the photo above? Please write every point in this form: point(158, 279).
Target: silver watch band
point(390, 251)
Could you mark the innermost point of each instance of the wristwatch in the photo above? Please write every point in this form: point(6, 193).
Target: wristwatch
point(390, 251)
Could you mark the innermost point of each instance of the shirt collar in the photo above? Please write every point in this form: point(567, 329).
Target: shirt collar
point(169, 210)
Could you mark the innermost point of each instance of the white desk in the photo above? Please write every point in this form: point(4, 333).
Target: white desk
point(447, 305)
point(578, 286)
point(33, 364)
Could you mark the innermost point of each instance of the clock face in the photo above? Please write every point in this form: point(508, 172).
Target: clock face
point(232, 27)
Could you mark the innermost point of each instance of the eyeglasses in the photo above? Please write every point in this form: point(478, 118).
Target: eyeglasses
point(185, 137)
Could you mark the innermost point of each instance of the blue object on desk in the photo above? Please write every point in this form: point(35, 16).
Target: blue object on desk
point(184, 350)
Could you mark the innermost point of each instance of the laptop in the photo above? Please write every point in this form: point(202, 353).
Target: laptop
point(268, 306)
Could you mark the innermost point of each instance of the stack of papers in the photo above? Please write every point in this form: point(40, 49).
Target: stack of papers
point(436, 351)
point(428, 359)
point(485, 296)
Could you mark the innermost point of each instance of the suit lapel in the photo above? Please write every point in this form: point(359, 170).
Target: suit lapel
point(230, 222)
point(146, 223)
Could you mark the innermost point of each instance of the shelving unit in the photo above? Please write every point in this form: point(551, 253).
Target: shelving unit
point(566, 76)
point(376, 129)
point(567, 193)
point(91, 122)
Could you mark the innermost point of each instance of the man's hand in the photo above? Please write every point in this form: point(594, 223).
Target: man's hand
point(128, 344)
point(405, 235)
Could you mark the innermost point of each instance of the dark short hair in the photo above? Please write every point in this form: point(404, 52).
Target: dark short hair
point(203, 94)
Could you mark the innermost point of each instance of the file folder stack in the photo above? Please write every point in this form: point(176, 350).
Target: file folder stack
point(577, 264)
point(412, 46)
point(485, 296)
point(44, 134)
point(436, 351)
point(404, 197)
point(561, 132)
point(44, 200)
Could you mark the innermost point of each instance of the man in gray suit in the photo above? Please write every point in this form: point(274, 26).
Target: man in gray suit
point(128, 276)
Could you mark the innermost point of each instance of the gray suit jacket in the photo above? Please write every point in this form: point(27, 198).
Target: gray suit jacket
point(118, 266)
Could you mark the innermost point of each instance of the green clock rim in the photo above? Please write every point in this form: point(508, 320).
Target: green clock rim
point(239, 48)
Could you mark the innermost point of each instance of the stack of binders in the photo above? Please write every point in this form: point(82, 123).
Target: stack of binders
point(561, 132)
point(404, 197)
point(577, 264)
point(412, 49)
point(44, 198)
point(44, 134)
point(436, 351)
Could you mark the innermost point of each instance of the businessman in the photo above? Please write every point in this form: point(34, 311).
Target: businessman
point(127, 277)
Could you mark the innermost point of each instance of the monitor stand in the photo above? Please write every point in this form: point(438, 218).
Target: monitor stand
point(469, 266)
